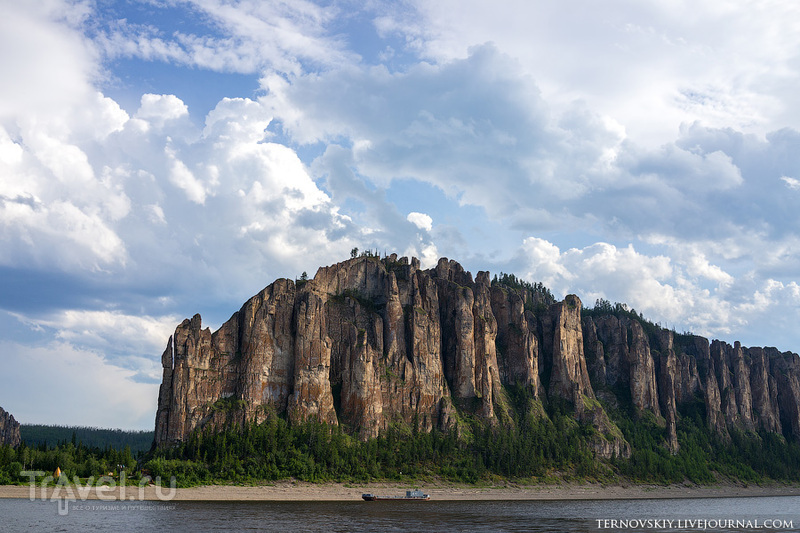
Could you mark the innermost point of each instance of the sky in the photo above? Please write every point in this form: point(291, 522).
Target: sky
point(161, 158)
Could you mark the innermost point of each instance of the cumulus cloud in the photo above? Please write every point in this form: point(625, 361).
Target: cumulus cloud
point(685, 292)
point(672, 62)
point(113, 333)
point(636, 277)
point(420, 220)
point(102, 204)
point(477, 129)
point(49, 52)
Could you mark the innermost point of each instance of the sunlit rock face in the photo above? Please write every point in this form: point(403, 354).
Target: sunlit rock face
point(369, 342)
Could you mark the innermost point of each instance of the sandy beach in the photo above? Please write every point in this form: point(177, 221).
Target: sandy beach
point(300, 491)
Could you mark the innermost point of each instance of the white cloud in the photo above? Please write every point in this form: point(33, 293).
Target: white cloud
point(728, 64)
point(182, 177)
point(161, 108)
point(687, 293)
point(425, 251)
point(477, 129)
point(792, 183)
point(237, 120)
point(113, 333)
point(636, 277)
point(51, 64)
point(420, 220)
point(245, 37)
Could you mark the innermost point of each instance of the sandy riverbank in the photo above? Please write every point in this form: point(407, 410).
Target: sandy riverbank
point(286, 491)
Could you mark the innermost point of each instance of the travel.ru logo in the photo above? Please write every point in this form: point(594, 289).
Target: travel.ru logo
point(105, 488)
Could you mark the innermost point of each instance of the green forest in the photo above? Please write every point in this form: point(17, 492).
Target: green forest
point(529, 448)
point(526, 448)
point(76, 450)
point(37, 434)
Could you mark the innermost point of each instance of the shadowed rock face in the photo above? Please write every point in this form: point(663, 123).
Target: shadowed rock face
point(569, 377)
point(9, 429)
point(371, 341)
point(667, 375)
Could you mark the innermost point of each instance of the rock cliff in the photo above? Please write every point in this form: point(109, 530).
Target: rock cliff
point(369, 342)
point(9, 429)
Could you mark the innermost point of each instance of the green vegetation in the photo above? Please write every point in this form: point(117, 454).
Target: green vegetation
point(73, 458)
point(35, 435)
point(538, 289)
point(603, 307)
point(228, 404)
point(77, 451)
point(527, 447)
point(354, 294)
point(704, 455)
point(533, 444)
point(313, 451)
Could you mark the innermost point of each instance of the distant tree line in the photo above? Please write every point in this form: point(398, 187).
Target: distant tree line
point(35, 435)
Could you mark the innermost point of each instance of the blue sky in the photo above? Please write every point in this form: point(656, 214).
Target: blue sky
point(161, 158)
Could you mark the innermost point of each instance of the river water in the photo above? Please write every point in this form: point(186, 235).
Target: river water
point(681, 515)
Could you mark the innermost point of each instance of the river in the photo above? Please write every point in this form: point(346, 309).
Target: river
point(674, 515)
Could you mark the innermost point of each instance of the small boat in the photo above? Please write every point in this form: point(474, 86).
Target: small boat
point(414, 495)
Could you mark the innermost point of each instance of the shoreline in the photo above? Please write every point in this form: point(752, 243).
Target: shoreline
point(302, 491)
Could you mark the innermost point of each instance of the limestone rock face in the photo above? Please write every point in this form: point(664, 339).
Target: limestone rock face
point(785, 368)
point(487, 375)
point(714, 415)
point(687, 382)
point(9, 429)
point(764, 392)
point(595, 354)
point(628, 360)
point(644, 392)
point(613, 337)
point(517, 344)
point(312, 396)
point(359, 345)
point(608, 442)
point(721, 358)
point(569, 376)
point(741, 386)
point(668, 375)
point(369, 342)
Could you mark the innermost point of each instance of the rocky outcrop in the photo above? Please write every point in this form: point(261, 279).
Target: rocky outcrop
point(516, 341)
point(764, 392)
point(370, 342)
point(785, 369)
point(627, 359)
point(9, 429)
point(642, 375)
point(569, 376)
point(668, 375)
point(594, 351)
